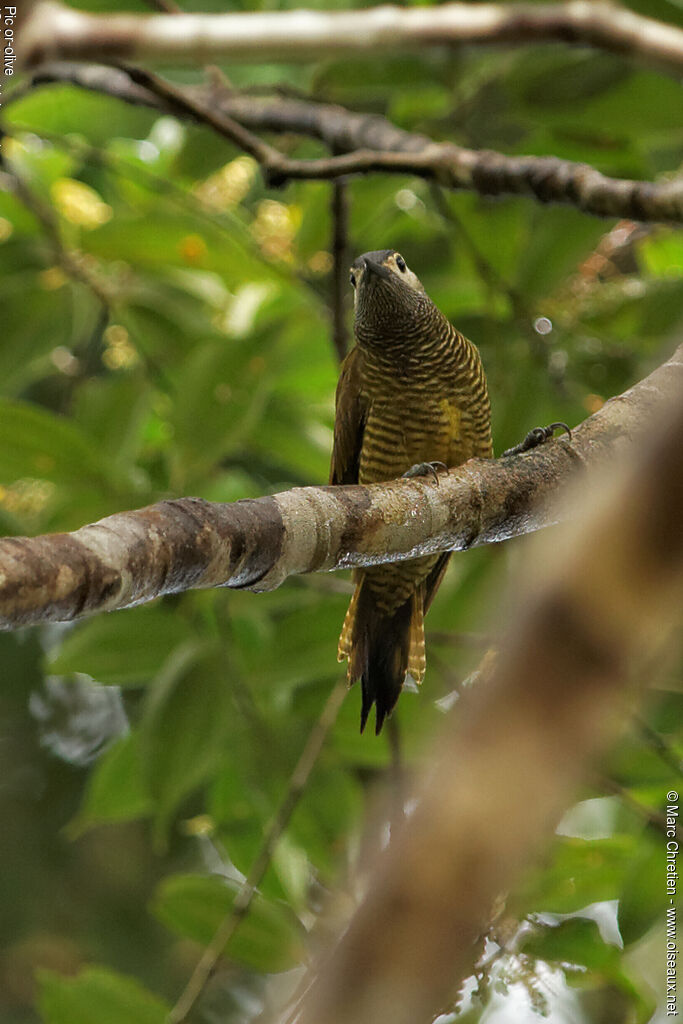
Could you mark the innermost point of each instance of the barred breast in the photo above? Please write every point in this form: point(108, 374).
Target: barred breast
point(434, 409)
point(394, 440)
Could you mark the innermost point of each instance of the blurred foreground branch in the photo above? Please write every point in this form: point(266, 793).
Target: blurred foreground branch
point(55, 31)
point(132, 557)
point(601, 608)
point(365, 143)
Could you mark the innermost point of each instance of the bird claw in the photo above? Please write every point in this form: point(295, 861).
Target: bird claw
point(536, 437)
point(425, 469)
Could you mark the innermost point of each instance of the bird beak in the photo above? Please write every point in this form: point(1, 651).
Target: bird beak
point(377, 268)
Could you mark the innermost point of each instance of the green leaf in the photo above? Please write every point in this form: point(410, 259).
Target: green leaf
point(35, 336)
point(116, 789)
point(662, 254)
point(21, 659)
point(125, 648)
point(305, 636)
point(269, 939)
point(66, 108)
point(576, 941)
point(98, 996)
point(578, 872)
point(113, 412)
point(325, 814)
point(41, 164)
point(558, 239)
point(35, 442)
point(562, 79)
point(177, 241)
point(643, 899)
point(186, 722)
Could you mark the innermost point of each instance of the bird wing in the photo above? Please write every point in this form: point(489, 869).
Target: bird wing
point(349, 424)
point(433, 581)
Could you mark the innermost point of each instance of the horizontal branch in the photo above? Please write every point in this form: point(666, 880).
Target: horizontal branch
point(546, 178)
point(370, 143)
point(58, 32)
point(132, 557)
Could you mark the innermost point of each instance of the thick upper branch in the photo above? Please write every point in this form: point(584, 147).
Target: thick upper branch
point(55, 31)
point(132, 557)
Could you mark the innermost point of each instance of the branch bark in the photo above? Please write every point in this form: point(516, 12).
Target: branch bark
point(133, 557)
point(603, 600)
point(364, 143)
point(58, 32)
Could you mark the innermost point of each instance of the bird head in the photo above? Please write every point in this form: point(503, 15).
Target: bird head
point(389, 298)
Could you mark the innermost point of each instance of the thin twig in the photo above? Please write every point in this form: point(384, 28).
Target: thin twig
point(663, 749)
point(70, 262)
point(456, 639)
point(340, 268)
point(180, 102)
point(648, 814)
point(165, 6)
point(491, 277)
point(230, 924)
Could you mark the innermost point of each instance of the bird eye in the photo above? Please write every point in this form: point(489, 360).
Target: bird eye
point(352, 279)
point(401, 263)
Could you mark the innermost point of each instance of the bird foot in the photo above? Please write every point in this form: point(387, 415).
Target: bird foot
point(426, 469)
point(536, 437)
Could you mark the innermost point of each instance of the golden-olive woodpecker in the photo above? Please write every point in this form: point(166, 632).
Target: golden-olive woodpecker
point(412, 392)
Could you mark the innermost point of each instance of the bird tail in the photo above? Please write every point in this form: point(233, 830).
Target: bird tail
point(381, 647)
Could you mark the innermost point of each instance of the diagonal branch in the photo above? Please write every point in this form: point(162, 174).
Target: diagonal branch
point(595, 610)
point(546, 178)
point(365, 143)
point(69, 260)
point(133, 557)
point(182, 103)
point(55, 31)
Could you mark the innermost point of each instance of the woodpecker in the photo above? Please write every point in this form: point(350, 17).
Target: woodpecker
point(412, 394)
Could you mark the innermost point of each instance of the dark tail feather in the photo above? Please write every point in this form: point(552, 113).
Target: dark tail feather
point(380, 647)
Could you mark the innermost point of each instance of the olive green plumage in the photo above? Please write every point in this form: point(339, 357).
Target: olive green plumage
point(412, 390)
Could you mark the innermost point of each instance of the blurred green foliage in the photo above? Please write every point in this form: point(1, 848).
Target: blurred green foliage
point(212, 372)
